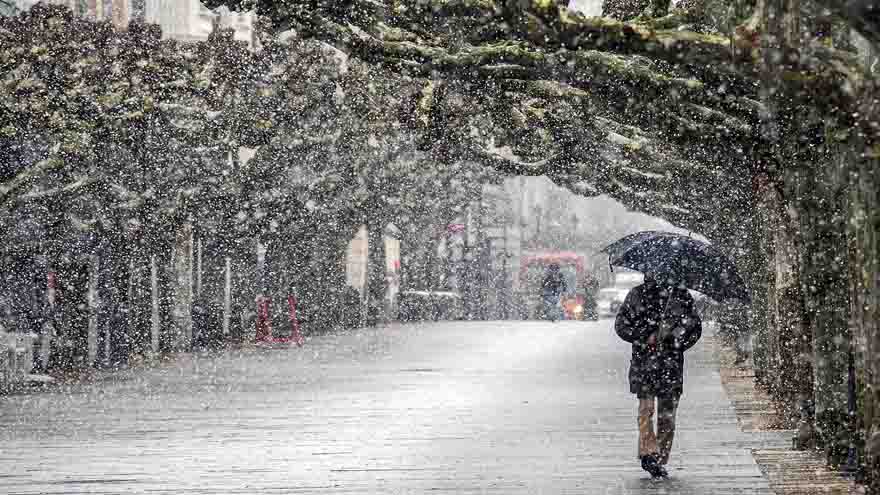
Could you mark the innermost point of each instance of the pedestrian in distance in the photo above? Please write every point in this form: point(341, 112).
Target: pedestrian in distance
point(552, 288)
point(660, 321)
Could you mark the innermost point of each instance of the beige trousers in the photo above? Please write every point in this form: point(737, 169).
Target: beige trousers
point(661, 442)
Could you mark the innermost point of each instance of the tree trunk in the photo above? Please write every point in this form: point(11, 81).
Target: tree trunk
point(813, 197)
point(71, 317)
point(825, 286)
point(244, 293)
point(759, 345)
point(280, 274)
point(740, 325)
point(376, 283)
point(182, 287)
point(788, 160)
point(814, 206)
point(863, 231)
point(795, 384)
point(208, 304)
point(155, 315)
point(864, 228)
point(165, 289)
point(763, 314)
point(113, 291)
point(418, 263)
point(93, 305)
point(330, 274)
point(140, 307)
point(244, 290)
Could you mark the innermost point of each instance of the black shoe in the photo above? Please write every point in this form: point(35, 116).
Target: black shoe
point(653, 467)
point(661, 472)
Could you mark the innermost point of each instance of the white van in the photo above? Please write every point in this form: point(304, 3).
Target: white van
point(609, 299)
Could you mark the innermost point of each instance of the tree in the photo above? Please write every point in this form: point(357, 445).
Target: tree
point(341, 159)
point(138, 129)
point(695, 96)
point(103, 93)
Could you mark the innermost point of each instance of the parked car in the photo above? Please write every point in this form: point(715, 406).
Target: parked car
point(417, 305)
point(608, 301)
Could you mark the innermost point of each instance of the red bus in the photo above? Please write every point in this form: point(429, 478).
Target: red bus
point(577, 302)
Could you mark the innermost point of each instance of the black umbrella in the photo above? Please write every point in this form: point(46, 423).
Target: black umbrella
point(698, 265)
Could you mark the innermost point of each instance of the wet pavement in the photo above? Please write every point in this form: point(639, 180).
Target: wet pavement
point(455, 407)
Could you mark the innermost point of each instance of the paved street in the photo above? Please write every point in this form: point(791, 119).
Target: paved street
point(505, 407)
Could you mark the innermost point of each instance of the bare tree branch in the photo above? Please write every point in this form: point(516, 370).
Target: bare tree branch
point(861, 15)
point(27, 176)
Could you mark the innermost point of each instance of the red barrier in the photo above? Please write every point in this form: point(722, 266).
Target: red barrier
point(264, 324)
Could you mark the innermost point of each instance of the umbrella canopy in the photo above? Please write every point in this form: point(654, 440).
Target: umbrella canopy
point(698, 265)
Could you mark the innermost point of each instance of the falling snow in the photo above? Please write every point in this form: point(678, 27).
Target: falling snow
point(474, 245)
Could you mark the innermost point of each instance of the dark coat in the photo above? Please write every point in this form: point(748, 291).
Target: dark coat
point(553, 283)
point(658, 370)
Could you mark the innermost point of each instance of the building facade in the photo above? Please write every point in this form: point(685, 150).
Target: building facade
point(356, 261)
point(189, 20)
point(9, 7)
point(116, 11)
point(184, 20)
point(587, 7)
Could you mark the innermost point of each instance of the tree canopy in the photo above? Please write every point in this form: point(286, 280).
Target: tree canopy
point(647, 110)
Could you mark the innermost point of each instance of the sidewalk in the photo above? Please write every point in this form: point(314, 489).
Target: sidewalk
point(463, 407)
point(790, 472)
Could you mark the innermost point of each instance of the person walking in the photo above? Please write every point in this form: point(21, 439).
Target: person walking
point(552, 288)
point(659, 319)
